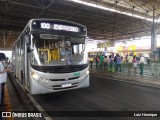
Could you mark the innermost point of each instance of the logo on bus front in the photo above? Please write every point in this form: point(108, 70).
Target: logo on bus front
point(77, 74)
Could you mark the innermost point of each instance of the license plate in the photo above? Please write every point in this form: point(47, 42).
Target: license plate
point(66, 85)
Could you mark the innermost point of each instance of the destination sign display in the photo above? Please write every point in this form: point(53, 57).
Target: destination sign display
point(59, 27)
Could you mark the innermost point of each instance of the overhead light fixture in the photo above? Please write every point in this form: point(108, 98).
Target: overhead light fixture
point(111, 9)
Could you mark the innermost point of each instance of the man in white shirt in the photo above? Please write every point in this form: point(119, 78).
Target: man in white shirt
point(141, 61)
point(3, 79)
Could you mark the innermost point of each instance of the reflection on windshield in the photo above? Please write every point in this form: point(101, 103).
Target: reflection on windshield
point(54, 50)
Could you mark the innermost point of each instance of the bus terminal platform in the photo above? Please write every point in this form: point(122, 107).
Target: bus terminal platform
point(150, 77)
point(17, 104)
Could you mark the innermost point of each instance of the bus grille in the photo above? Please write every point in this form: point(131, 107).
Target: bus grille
point(60, 69)
point(64, 88)
point(73, 78)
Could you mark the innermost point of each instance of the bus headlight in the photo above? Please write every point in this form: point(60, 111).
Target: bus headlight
point(87, 72)
point(34, 76)
point(39, 79)
point(44, 81)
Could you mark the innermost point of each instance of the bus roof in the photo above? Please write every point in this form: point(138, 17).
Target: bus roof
point(47, 19)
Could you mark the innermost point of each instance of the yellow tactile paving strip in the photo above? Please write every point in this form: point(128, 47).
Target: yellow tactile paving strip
point(8, 102)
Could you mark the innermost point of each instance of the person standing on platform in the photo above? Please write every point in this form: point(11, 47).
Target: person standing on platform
point(3, 78)
point(141, 61)
point(115, 63)
point(130, 59)
point(111, 63)
point(135, 64)
point(101, 61)
point(105, 61)
point(97, 61)
point(119, 61)
point(91, 60)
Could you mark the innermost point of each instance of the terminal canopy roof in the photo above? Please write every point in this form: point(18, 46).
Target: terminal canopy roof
point(104, 19)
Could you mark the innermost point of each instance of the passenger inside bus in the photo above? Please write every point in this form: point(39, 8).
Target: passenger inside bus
point(41, 56)
point(66, 50)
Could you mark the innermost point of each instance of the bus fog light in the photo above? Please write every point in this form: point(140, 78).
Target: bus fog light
point(45, 81)
point(84, 76)
point(40, 79)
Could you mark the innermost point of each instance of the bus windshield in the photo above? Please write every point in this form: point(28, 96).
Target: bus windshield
point(57, 50)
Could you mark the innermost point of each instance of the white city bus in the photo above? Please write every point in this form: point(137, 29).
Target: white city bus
point(50, 56)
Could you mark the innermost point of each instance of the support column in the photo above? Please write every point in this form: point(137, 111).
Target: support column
point(112, 43)
point(153, 33)
point(105, 46)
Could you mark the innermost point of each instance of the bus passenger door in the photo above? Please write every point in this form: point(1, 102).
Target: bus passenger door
point(26, 64)
point(22, 61)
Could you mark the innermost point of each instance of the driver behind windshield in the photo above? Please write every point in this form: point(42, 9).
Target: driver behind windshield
point(66, 51)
